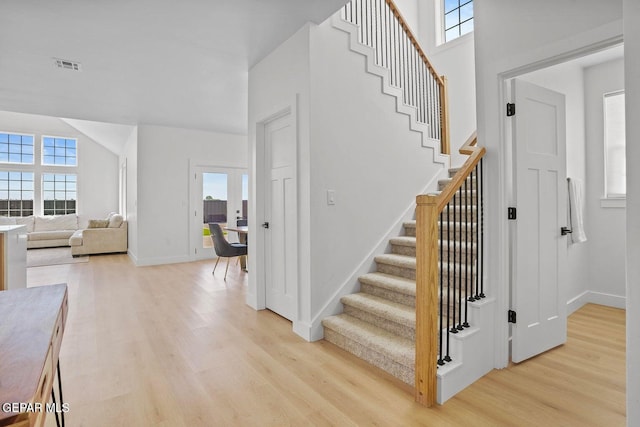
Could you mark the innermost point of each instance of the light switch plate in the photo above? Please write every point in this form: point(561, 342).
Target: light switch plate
point(331, 197)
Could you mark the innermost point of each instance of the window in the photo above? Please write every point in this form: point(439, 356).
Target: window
point(614, 146)
point(458, 18)
point(16, 193)
point(16, 148)
point(59, 193)
point(59, 151)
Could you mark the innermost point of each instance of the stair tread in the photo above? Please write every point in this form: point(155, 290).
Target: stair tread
point(390, 282)
point(404, 261)
point(399, 349)
point(403, 241)
point(382, 307)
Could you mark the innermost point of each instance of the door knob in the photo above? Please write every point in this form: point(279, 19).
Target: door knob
point(265, 225)
point(565, 230)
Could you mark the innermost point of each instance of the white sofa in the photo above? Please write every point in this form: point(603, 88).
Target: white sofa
point(47, 231)
point(100, 238)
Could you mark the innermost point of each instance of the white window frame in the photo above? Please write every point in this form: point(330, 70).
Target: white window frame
point(33, 155)
point(612, 198)
point(55, 191)
point(42, 154)
point(440, 13)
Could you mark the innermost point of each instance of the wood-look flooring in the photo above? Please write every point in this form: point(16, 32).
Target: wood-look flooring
point(173, 346)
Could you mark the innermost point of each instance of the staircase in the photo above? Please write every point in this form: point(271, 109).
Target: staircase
point(379, 323)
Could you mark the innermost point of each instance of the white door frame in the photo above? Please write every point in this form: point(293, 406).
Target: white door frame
point(505, 198)
point(256, 295)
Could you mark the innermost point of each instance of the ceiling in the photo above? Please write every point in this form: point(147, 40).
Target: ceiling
point(162, 62)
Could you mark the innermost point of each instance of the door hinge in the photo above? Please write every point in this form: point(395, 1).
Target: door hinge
point(511, 213)
point(511, 316)
point(511, 109)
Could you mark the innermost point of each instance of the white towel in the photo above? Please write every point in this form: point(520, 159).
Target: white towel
point(576, 211)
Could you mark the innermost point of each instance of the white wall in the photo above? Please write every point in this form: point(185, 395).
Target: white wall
point(632, 96)
point(163, 156)
point(97, 167)
point(606, 225)
point(510, 37)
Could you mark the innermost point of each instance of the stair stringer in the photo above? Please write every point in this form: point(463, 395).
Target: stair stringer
point(387, 88)
point(472, 351)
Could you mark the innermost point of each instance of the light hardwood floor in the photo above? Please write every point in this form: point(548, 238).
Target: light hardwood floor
point(175, 346)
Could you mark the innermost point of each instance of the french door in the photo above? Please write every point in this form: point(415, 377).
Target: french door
point(218, 195)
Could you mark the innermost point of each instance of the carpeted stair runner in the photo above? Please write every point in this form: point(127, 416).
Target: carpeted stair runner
point(378, 323)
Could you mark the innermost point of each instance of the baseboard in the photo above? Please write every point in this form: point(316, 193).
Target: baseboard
point(600, 298)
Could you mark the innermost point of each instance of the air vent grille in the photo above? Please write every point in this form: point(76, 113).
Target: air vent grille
point(68, 65)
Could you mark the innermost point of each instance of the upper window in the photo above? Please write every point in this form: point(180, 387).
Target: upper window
point(16, 148)
point(458, 18)
point(614, 145)
point(59, 151)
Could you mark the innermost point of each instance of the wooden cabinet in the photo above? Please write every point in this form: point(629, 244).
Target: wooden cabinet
point(13, 257)
point(32, 324)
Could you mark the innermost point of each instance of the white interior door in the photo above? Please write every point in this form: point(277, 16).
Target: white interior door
point(280, 248)
point(540, 251)
point(218, 195)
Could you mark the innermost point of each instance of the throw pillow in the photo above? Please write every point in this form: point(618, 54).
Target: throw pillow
point(115, 221)
point(98, 223)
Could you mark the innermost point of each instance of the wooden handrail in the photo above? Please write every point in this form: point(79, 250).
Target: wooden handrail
point(475, 153)
point(414, 41)
point(428, 209)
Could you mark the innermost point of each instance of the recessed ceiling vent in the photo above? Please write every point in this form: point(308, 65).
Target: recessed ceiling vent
point(68, 65)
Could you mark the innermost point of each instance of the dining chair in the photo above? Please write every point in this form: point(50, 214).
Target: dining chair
point(223, 248)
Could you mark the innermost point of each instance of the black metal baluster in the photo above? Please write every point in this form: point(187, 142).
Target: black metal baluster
point(481, 184)
point(447, 357)
point(454, 329)
point(441, 296)
point(459, 242)
point(467, 261)
point(477, 239)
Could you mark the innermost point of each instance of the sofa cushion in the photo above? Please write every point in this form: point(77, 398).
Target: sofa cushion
point(49, 235)
point(98, 223)
point(115, 220)
point(76, 238)
point(28, 221)
point(5, 220)
point(56, 222)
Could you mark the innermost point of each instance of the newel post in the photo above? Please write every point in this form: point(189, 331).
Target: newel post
point(445, 145)
point(426, 299)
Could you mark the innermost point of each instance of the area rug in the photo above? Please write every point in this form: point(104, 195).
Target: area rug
point(52, 256)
